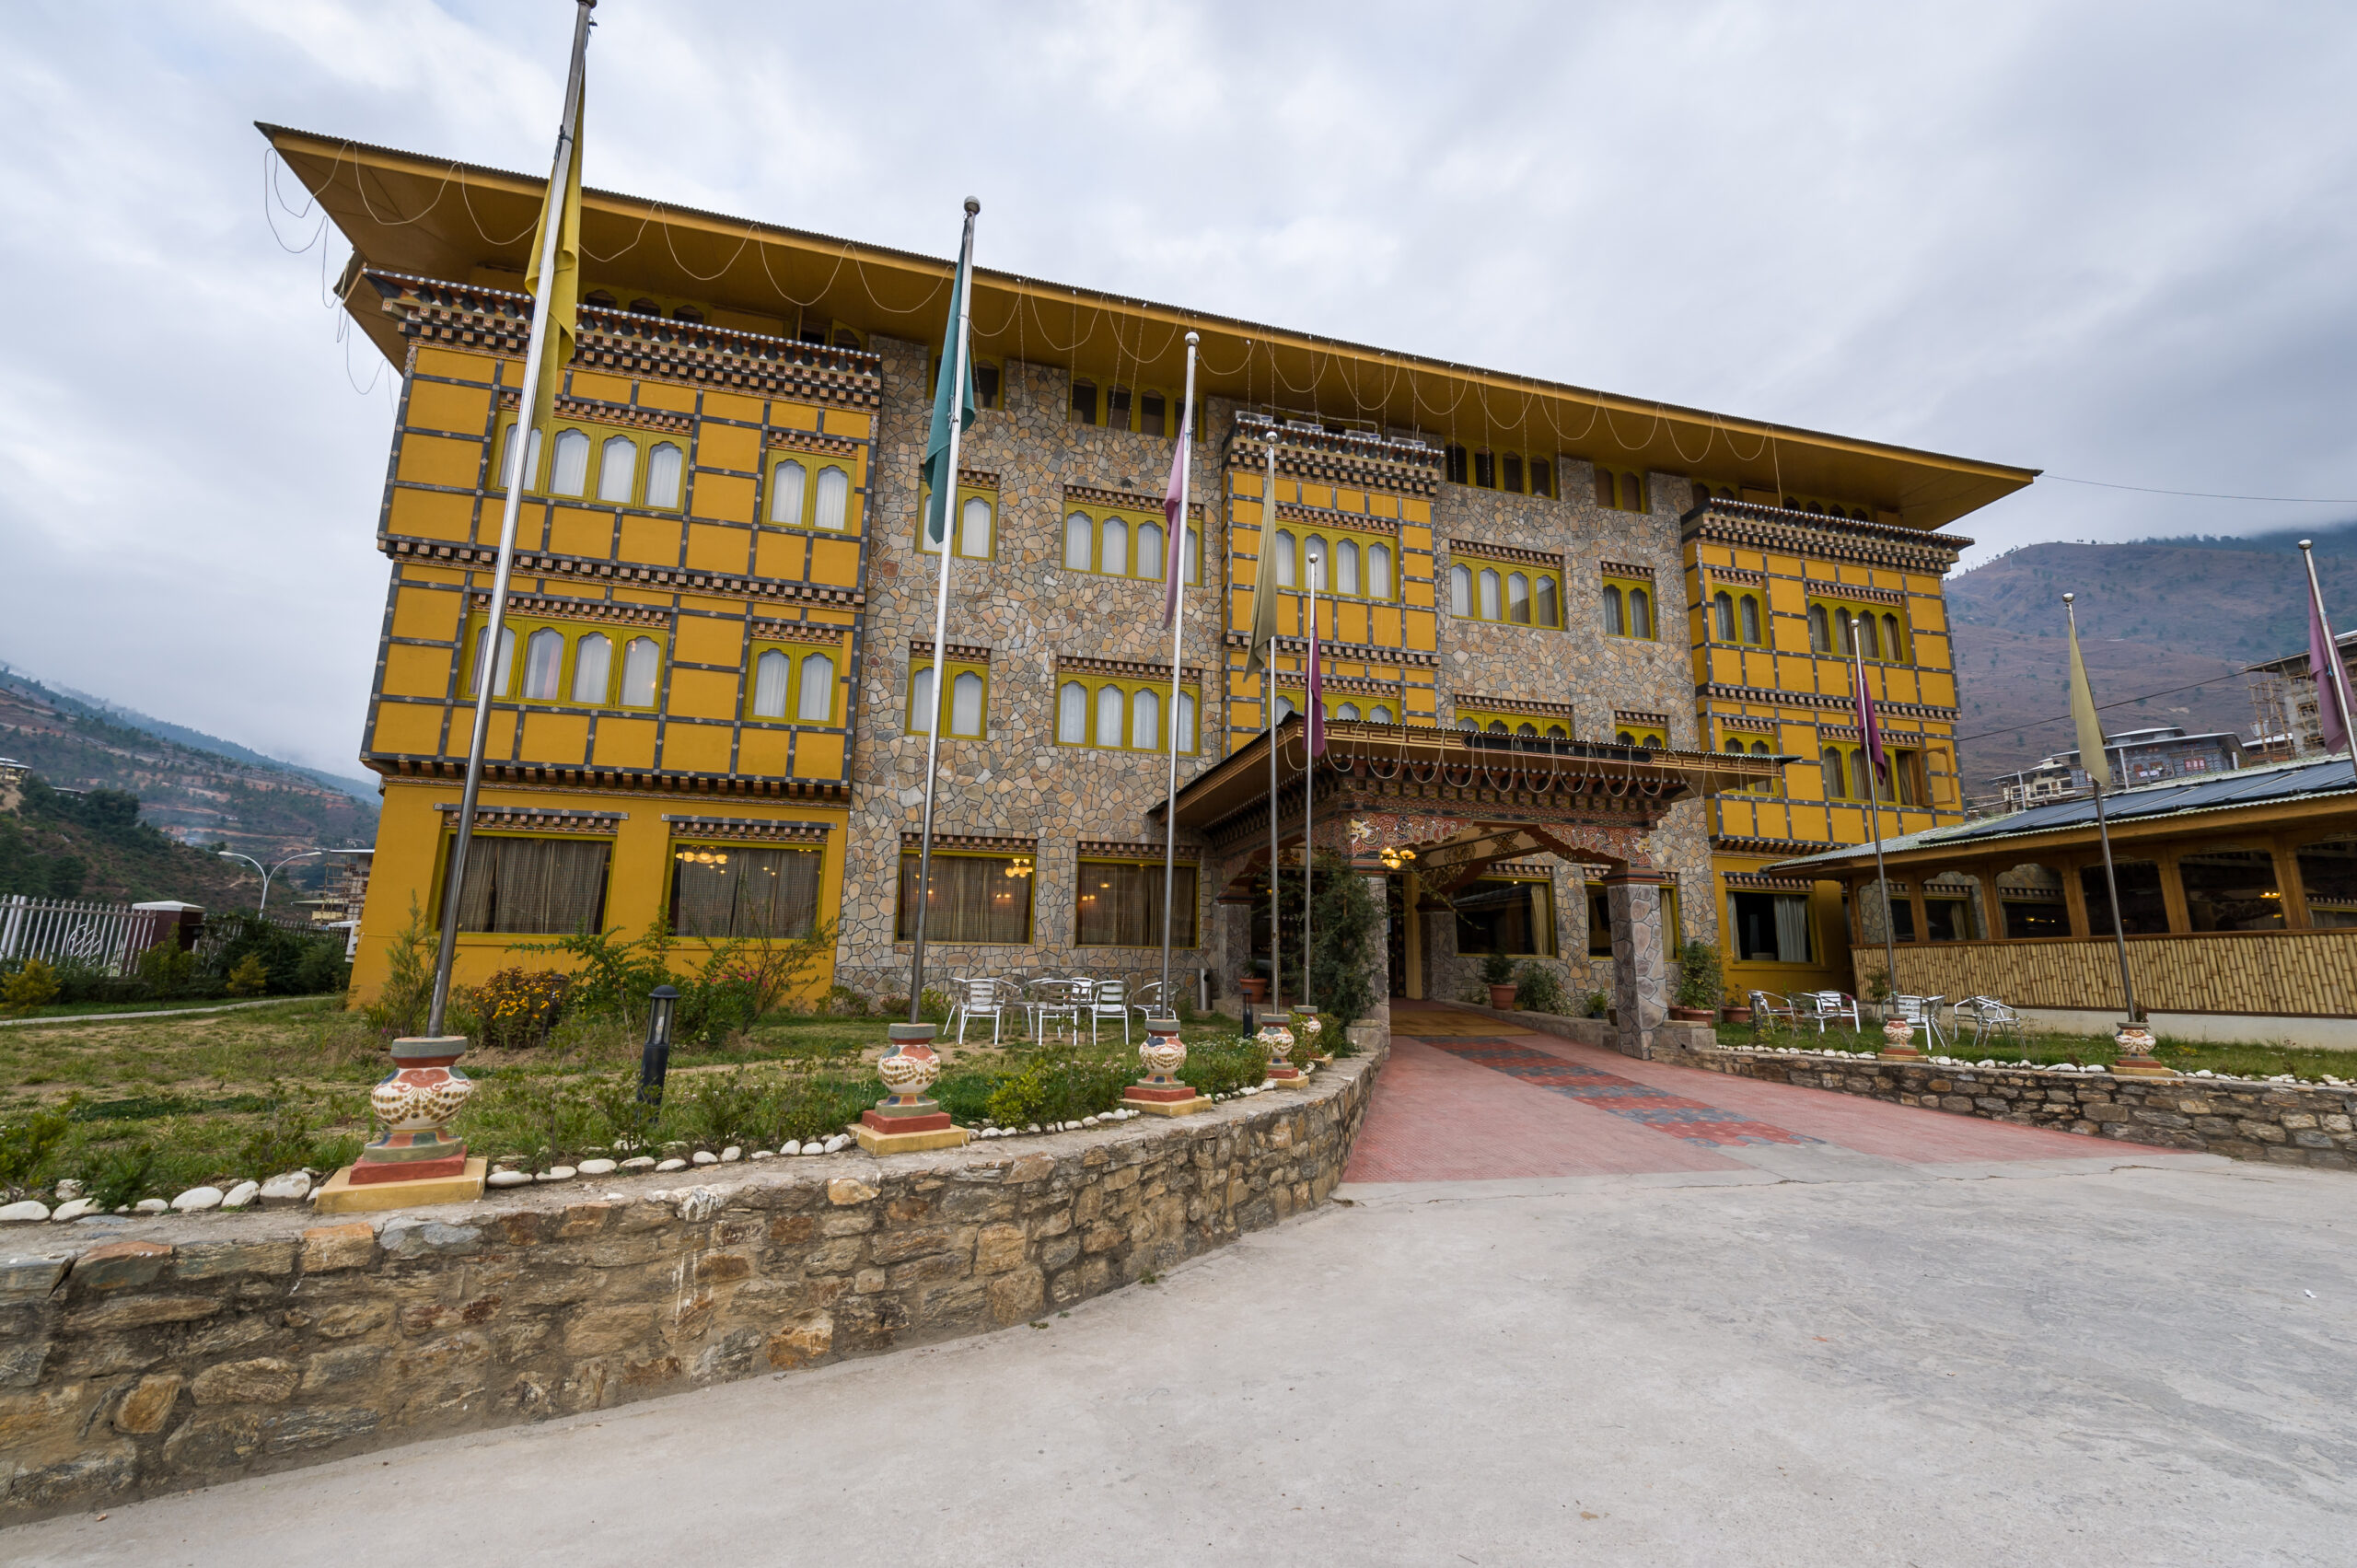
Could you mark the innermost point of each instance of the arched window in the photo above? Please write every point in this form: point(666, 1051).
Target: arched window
point(507, 457)
point(1186, 721)
point(834, 498)
point(1497, 726)
point(974, 528)
point(1513, 473)
point(1870, 636)
point(1378, 571)
point(1546, 611)
point(1379, 713)
point(1151, 544)
point(1284, 709)
point(773, 672)
point(920, 703)
point(569, 475)
point(1489, 594)
point(966, 704)
point(1114, 557)
point(1557, 732)
point(639, 662)
point(1460, 591)
point(1605, 494)
point(617, 469)
point(665, 464)
point(1453, 461)
point(1347, 711)
point(1892, 649)
point(1108, 715)
point(1837, 787)
point(1750, 619)
point(1527, 728)
point(818, 705)
point(1313, 564)
point(1543, 476)
point(1190, 552)
point(1346, 566)
point(1849, 625)
point(544, 664)
point(1632, 493)
point(1860, 784)
point(1820, 639)
point(1072, 714)
point(1287, 569)
point(505, 666)
point(1722, 615)
point(1145, 720)
point(593, 662)
point(1624, 738)
point(1485, 470)
point(1518, 599)
point(1641, 613)
point(1765, 786)
point(786, 483)
point(1472, 725)
point(1614, 622)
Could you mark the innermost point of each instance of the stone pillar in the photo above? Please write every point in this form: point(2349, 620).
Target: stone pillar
point(1640, 996)
point(1231, 956)
point(1376, 1027)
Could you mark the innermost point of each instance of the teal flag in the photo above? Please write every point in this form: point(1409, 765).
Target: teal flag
point(936, 442)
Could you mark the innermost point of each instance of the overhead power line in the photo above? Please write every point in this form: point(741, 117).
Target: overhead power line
point(2211, 494)
point(2060, 718)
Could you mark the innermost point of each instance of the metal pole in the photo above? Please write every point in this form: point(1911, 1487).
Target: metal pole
point(1873, 814)
point(1269, 702)
point(2332, 649)
point(1309, 772)
point(520, 441)
point(940, 603)
point(2103, 833)
point(1178, 636)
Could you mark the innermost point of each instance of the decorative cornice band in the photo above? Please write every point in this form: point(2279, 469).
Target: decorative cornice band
point(438, 553)
point(959, 652)
point(785, 438)
point(1736, 575)
point(1783, 848)
point(1747, 723)
point(537, 775)
point(593, 411)
point(1456, 547)
point(1760, 881)
point(600, 609)
point(1625, 569)
point(1514, 705)
point(748, 828)
point(1716, 693)
point(1125, 669)
point(1355, 685)
point(971, 840)
point(1124, 500)
point(1357, 652)
point(797, 632)
point(1854, 591)
point(1110, 849)
point(1323, 456)
point(1333, 518)
point(526, 818)
point(1745, 526)
point(1638, 715)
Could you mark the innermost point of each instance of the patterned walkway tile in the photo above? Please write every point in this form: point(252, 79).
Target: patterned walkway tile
point(1642, 1103)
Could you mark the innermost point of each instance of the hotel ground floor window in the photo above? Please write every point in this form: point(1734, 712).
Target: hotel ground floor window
point(1770, 926)
point(2143, 910)
point(1599, 924)
point(543, 886)
point(976, 898)
point(724, 891)
point(1118, 904)
point(1952, 908)
point(1507, 915)
point(2328, 878)
point(1870, 912)
point(2030, 898)
point(2229, 888)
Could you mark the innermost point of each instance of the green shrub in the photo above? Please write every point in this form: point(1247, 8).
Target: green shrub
point(812, 1108)
point(1699, 983)
point(1347, 925)
point(291, 1136)
point(1059, 1087)
point(322, 970)
point(1538, 989)
point(1598, 1005)
point(516, 1008)
point(250, 977)
point(613, 976)
point(33, 985)
point(399, 1009)
point(122, 1176)
point(1497, 969)
point(1223, 1067)
point(168, 970)
point(27, 1139)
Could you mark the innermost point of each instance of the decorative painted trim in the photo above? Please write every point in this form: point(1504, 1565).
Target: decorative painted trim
point(1357, 653)
point(1356, 685)
point(796, 631)
point(1514, 705)
point(1333, 518)
point(1625, 569)
point(748, 828)
point(1816, 588)
point(1125, 669)
point(1781, 848)
point(1713, 692)
point(538, 775)
point(437, 552)
point(1760, 881)
point(1746, 525)
point(598, 610)
point(1552, 562)
point(784, 438)
point(1742, 577)
point(528, 818)
point(593, 411)
point(971, 840)
point(1747, 723)
point(1326, 456)
point(1124, 500)
point(1638, 717)
point(959, 652)
point(1108, 849)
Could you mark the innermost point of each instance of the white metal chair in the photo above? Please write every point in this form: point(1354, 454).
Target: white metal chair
point(1149, 1000)
point(1991, 1018)
point(981, 997)
point(1767, 1007)
point(1921, 1012)
point(1051, 1001)
point(1108, 999)
point(1823, 1008)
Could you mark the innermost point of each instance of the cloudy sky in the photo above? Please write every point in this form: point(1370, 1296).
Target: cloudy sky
point(2110, 241)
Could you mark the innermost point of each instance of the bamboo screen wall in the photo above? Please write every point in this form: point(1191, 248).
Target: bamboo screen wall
point(2280, 973)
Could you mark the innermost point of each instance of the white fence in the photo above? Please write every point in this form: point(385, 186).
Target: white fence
point(103, 936)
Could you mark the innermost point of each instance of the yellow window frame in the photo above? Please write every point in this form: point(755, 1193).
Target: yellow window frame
point(1616, 477)
point(1190, 560)
point(957, 668)
point(1484, 719)
point(598, 434)
point(797, 656)
point(1628, 586)
point(1835, 607)
point(573, 631)
point(1475, 565)
point(956, 522)
point(812, 465)
point(1092, 684)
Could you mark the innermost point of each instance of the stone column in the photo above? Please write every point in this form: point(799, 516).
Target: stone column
point(1376, 1027)
point(1640, 997)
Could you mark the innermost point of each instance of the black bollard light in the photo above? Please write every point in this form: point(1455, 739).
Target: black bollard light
point(655, 1063)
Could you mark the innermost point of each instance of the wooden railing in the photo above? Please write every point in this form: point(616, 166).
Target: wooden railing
point(2280, 973)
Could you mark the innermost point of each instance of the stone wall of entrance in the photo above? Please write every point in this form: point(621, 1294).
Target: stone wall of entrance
point(162, 1355)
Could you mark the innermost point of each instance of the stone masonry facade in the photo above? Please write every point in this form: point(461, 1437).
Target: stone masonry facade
point(157, 1355)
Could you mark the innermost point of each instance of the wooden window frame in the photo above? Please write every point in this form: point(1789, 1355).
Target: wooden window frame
point(957, 668)
point(797, 654)
point(954, 521)
point(1192, 931)
point(1476, 564)
point(1130, 687)
point(523, 626)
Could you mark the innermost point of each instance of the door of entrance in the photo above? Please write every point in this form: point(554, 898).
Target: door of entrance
point(1395, 914)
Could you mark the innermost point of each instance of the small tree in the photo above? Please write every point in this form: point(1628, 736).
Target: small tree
point(33, 985)
point(1698, 984)
point(1345, 921)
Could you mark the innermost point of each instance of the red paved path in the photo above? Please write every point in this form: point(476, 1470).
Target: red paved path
point(1439, 1114)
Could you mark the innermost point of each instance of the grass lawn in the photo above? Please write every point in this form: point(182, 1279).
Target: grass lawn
point(151, 1107)
point(71, 1010)
point(2223, 1059)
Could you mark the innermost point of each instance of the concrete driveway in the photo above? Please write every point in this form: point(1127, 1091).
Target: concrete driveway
point(1796, 1350)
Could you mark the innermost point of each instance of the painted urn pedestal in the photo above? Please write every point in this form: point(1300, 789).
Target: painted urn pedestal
point(1277, 1039)
point(1160, 1093)
point(1898, 1041)
point(905, 1120)
point(414, 1160)
point(2135, 1042)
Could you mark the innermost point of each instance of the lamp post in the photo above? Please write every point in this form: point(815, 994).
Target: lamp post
point(655, 1063)
point(268, 872)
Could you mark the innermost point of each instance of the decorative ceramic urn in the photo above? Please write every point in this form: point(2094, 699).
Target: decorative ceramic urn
point(2135, 1042)
point(1163, 1054)
point(1899, 1038)
point(415, 1101)
point(1279, 1040)
point(908, 1070)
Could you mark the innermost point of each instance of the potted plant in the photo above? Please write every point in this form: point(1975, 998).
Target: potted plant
point(1254, 985)
point(1497, 973)
point(1699, 986)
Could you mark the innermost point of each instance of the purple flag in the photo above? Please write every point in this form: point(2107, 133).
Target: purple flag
point(1174, 509)
point(2329, 718)
point(1870, 728)
point(1317, 693)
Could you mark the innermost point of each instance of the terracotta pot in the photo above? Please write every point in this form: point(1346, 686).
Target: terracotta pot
point(1255, 988)
point(1690, 1014)
point(1737, 1014)
point(1501, 996)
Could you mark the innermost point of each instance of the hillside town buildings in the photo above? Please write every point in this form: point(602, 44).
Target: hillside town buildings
point(2137, 755)
point(1586, 657)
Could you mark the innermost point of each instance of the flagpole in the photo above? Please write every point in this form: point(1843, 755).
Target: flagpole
point(520, 441)
point(1312, 717)
point(1268, 702)
point(1175, 562)
point(2103, 834)
point(1874, 812)
point(2332, 649)
point(948, 486)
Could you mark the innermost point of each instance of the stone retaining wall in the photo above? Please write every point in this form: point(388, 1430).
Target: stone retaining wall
point(141, 1357)
point(2280, 1123)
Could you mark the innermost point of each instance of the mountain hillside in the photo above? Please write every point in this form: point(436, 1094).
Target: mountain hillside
point(2154, 616)
point(361, 786)
point(263, 808)
point(56, 845)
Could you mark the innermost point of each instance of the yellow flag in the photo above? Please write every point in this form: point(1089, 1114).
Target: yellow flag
point(564, 289)
point(2082, 714)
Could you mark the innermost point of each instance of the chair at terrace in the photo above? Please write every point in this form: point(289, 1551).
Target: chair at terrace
point(1108, 999)
point(1823, 1008)
point(1991, 1019)
point(982, 997)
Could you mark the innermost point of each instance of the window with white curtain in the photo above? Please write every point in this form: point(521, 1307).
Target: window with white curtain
point(1378, 571)
point(505, 666)
point(665, 464)
point(1313, 562)
point(1285, 566)
point(1072, 714)
point(1284, 709)
point(1346, 567)
point(834, 497)
point(1346, 711)
point(544, 664)
point(1186, 721)
point(617, 469)
point(1518, 599)
point(787, 482)
point(640, 660)
point(1080, 542)
point(1114, 558)
point(1489, 594)
point(1379, 713)
point(920, 705)
point(1145, 720)
point(818, 705)
point(974, 528)
point(532, 451)
point(1151, 550)
point(772, 673)
point(593, 667)
point(569, 474)
point(1191, 550)
point(1108, 715)
point(1460, 591)
point(966, 704)
point(1547, 612)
